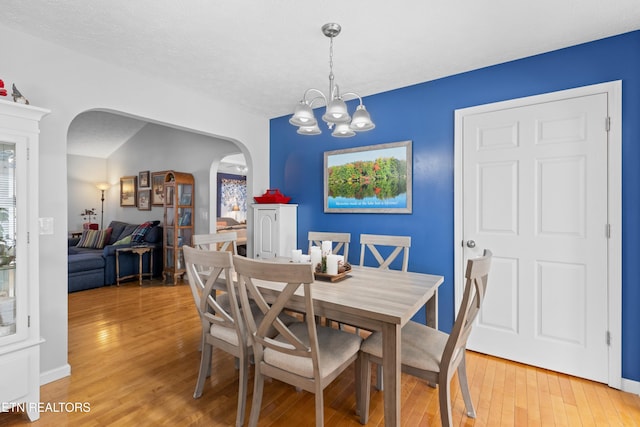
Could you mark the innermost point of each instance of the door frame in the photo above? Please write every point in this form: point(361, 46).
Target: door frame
point(614, 210)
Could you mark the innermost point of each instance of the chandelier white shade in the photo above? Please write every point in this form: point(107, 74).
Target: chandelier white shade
point(336, 112)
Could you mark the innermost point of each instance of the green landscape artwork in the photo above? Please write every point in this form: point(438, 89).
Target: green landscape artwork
point(369, 179)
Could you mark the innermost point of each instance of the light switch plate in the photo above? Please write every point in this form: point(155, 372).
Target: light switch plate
point(46, 225)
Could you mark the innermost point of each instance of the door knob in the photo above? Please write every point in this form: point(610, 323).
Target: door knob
point(471, 244)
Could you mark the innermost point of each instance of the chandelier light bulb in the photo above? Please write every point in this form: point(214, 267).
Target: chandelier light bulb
point(309, 130)
point(303, 115)
point(343, 130)
point(336, 112)
point(361, 120)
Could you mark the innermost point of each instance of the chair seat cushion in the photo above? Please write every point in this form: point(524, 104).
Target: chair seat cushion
point(422, 346)
point(335, 347)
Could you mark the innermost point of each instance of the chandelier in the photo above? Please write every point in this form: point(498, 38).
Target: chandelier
point(336, 113)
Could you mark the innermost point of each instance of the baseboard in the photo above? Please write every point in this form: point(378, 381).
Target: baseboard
point(55, 374)
point(631, 386)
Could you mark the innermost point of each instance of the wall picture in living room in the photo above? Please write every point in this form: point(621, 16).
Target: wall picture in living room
point(129, 191)
point(157, 188)
point(144, 200)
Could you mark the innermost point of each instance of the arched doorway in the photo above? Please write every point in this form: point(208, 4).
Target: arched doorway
point(106, 145)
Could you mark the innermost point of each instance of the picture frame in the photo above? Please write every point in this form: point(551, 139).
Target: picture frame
point(144, 200)
point(129, 191)
point(369, 179)
point(157, 188)
point(144, 179)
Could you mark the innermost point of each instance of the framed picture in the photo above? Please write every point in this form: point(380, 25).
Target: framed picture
point(371, 179)
point(143, 179)
point(144, 200)
point(168, 195)
point(128, 191)
point(157, 188)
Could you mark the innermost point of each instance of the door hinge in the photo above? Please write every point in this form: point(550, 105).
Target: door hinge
point(28, 321)
point(607, 123)
point(28, 152)
point(607, 230)
point(608, 338)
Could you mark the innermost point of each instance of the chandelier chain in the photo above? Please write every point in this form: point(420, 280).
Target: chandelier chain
point(331, 68)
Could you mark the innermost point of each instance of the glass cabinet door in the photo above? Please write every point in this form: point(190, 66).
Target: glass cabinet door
point(8, 288)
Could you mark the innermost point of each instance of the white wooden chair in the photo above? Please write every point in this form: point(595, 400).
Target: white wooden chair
point(226, 241)
point(430, 354)
point(221, 327)
point(304, 354)
point(216, 242)
point(397, 245)
point(340, 242)
point(373, 242)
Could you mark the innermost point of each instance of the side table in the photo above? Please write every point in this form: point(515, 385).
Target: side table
point(140, 250)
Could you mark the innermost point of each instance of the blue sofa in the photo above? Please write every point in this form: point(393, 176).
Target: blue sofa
point(92, 268)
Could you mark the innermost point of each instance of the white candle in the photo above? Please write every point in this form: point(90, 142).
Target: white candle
point(316, 256)
point(296, 255)
point(327, 246)
point(332, 264)
point(305, 258)
point(340, 261)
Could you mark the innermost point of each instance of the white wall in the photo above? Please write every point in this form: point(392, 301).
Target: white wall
point(158, 148)
point(83, 175)
point(68, 84)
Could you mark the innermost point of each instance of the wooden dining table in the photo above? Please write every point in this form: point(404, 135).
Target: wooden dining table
point(377, 300)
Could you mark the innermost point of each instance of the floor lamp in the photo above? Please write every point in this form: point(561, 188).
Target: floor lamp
point(102, 187)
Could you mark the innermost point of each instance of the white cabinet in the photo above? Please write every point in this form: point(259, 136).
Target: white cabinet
point(275, 228)
point(19, 274)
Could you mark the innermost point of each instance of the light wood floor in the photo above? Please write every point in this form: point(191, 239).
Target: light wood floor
point(134, 358)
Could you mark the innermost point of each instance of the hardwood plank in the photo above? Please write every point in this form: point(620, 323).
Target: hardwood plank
point(134, 357)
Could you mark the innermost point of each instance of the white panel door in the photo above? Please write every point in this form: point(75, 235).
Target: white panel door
point(535, 193)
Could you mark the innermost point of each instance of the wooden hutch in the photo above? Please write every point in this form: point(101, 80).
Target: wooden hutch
point(178, 222)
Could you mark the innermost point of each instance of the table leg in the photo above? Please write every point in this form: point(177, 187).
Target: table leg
point(151, 264)
point(391, 352)
point(432, 311)
point(140, 268)
point(117, 268)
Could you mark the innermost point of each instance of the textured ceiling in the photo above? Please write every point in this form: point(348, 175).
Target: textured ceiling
point(262, 55)
point(99, 134)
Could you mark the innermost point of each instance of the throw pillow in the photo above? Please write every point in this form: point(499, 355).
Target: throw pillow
point(154, 235)
point(94, 239)
point(138, 234)
point(117, 227)
point(125, 240)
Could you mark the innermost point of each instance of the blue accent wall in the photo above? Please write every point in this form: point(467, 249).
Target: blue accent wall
point(424, 113)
